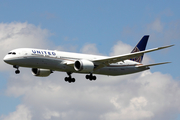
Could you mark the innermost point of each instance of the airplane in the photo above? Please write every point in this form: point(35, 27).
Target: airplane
point(44, 62)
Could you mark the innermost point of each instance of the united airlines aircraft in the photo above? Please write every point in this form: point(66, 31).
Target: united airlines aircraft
point(44, 62)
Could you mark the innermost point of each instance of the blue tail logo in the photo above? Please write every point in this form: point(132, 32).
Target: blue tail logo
point(141, 46)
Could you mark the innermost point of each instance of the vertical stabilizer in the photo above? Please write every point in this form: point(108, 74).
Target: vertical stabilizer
point(141, 46)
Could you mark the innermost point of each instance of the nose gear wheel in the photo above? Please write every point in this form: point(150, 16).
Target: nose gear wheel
point(17, 67)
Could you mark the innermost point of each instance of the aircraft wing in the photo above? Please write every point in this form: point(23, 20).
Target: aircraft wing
point(140, 66)
point(106, 61)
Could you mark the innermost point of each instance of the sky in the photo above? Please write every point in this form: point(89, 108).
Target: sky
point(102, 27)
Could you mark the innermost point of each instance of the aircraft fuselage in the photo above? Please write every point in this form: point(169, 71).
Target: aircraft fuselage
point(56, 61)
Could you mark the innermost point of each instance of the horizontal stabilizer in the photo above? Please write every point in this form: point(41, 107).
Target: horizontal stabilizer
point(139, 66)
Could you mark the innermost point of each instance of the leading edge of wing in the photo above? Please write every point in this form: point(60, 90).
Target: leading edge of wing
point(114, 59)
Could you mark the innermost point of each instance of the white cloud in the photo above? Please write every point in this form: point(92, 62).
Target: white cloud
point(19, 35)
point(90, 49)
point(143, 95)
point(13, 35)
point(22, 113)
point(156, 26)
point(151, 98)
point(134, 111)
point(121, 48)
point(49, 114)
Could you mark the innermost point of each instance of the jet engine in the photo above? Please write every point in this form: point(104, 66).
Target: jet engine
point(84, 66)
point(41, 72)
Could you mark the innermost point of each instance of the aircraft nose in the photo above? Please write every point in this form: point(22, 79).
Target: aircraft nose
point(6, 59)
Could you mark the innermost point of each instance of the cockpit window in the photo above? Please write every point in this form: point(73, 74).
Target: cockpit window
point(12, 53)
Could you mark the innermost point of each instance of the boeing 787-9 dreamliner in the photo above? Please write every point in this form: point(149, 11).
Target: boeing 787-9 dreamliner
point(44, 62)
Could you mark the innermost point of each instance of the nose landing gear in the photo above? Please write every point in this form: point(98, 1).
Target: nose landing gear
point(17, 67)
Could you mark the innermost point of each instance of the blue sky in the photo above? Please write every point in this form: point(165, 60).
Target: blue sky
point(71, 25)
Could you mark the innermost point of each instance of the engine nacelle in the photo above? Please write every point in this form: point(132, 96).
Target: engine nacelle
point(84, 66)
point(41, 72)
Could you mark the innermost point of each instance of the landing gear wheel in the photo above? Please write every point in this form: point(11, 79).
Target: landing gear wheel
point(17, 71)
point(66, 79)
point(73, 80)
point(91, 77)
point(94, 77)
point(87, 76)
point(69, 79)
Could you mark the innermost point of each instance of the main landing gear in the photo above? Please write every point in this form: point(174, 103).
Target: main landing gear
point(17, 67)
point(69, 79)
point(90, 77)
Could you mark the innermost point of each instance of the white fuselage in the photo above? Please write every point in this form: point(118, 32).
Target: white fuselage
point(57, 61)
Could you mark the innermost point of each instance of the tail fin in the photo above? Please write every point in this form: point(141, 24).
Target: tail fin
point(141, 46)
